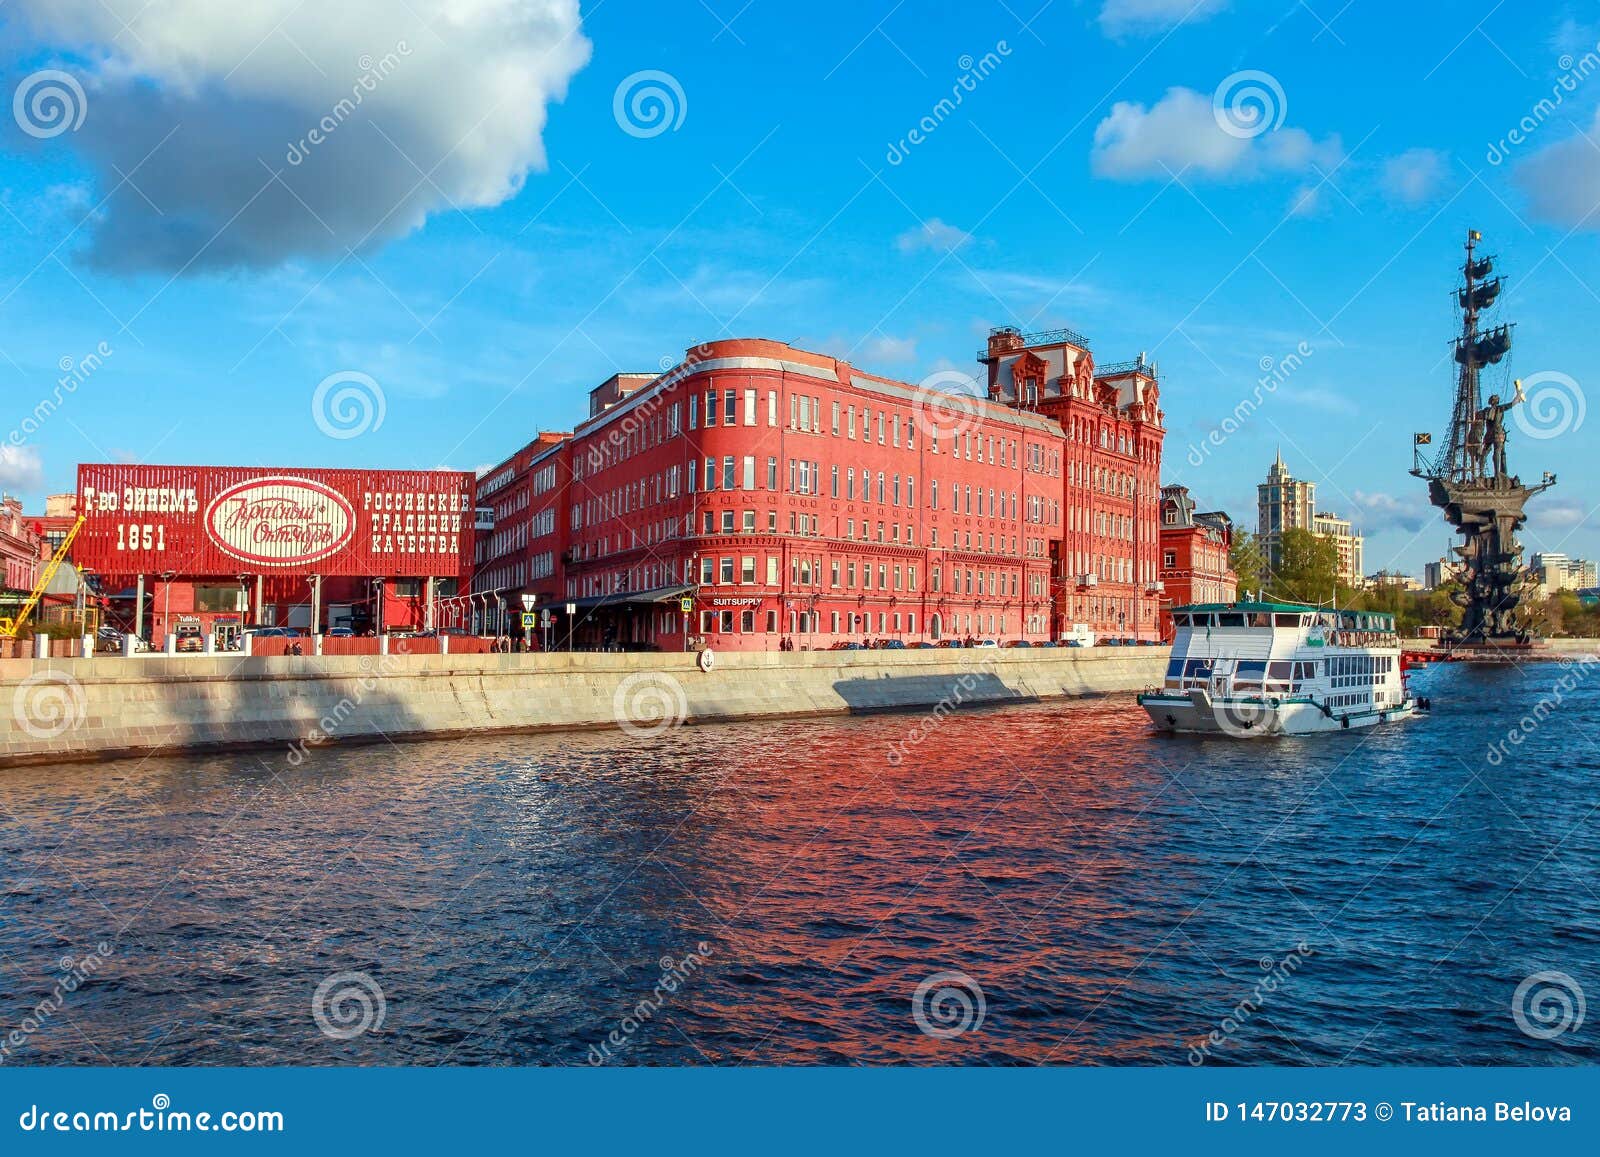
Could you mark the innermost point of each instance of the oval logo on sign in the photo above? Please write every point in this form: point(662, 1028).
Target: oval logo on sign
point(280, 521)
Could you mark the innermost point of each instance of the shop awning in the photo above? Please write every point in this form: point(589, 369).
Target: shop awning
point(620, 599)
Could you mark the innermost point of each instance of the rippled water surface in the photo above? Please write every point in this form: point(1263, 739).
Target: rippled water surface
point(1113, 894)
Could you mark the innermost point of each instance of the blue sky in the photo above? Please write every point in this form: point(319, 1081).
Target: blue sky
point(495, 227)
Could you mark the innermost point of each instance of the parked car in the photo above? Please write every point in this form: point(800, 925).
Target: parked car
point(845, 646)
point(893, 645)
point(1046, 643)
point(954, 643)
point(1019, 643)
point(986, 643)
point(922, 645)
point(190, 637)
point(341, 633)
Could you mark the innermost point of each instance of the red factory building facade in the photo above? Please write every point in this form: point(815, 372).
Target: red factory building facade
point(211, 550)
point(1195, 549)
point(758, 495)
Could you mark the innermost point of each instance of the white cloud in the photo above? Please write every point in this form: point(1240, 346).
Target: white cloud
point(1180, 134)
point(1562, 181)
point(1379, 511)
point(1414, 176)
point(1558, 515)
point(21, 469)
point(933, 234)
point(1308, 201)
point(884, 348)
point(423, 107)
point(1122, 17)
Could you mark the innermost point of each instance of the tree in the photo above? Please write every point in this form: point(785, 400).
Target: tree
point(1308, 567)
point(1248, 561)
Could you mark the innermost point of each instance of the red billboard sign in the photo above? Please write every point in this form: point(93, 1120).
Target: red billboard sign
point(229, 520)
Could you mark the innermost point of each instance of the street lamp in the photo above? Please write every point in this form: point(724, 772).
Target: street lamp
point(528, 603)
point(166, 602)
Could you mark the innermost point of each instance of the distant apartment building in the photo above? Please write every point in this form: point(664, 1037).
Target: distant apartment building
point(1284, 502)
point(1350, 545)
point(1556, 572)
point(1194, 555)
point(1436, 574)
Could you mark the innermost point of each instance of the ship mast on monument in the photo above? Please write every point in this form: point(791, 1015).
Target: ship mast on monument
point(1471, 481)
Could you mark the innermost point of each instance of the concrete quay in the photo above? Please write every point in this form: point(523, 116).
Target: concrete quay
point(65, 710)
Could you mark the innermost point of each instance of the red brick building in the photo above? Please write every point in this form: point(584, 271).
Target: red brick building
point(1194, 555)
point(780, 494)
point(521, 553)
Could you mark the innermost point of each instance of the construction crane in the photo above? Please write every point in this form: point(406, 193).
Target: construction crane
point(10, 627)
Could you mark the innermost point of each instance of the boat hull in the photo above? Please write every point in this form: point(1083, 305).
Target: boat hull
point(1197, 713)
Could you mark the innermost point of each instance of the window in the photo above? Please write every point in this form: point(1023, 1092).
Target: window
point(694, 410)
point(933, 495)
point(850, 483)
point(711, 408)
point(850, 421)
point(1169, 559)
point(726, 566)
point(749, 473)
point(749, 407)
point(707, 570)
point(836, 427)
point(772, 473)
point(749, 521)
point(772, 570)
point(747, 569)
point(730, 407)
point(728, 482)
point(834, 479)
point(747, 621)
point(727, 522)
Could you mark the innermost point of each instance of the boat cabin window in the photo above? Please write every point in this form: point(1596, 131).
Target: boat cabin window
point(1197, 669)
point(1260, 619)
point(1175, 669)
point(1248, 675)
point(1286, 620)
point(1230, 620)
point(1180, 620)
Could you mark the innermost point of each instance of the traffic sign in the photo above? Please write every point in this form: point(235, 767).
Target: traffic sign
point(686, 604)
point(529, 619)
point(528, 601)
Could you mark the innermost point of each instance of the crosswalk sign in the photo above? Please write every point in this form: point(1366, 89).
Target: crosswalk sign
point(529, 618)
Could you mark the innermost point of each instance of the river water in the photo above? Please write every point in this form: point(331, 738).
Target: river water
point(1046, 883)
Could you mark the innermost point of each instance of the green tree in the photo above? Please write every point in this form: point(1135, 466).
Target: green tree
point(1248, 561)
point(1308, 567)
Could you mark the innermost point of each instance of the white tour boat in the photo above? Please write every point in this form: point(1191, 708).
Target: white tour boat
point(1253, 668)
